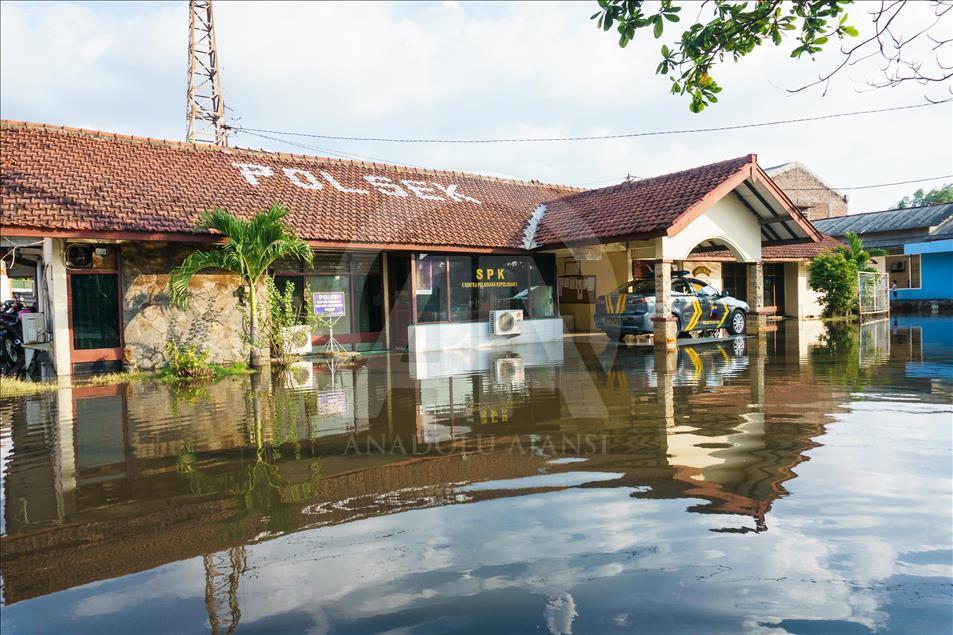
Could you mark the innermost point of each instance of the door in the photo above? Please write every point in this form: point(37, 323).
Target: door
point(95, 320)
point(398, 298)
point(713, 312)
point(684, 305)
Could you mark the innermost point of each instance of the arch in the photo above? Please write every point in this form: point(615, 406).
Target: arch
point(714, 242)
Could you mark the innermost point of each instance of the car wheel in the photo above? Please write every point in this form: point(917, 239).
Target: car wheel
point(736, 325)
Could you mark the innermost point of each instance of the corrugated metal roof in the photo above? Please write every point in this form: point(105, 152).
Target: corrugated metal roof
point(886, 221)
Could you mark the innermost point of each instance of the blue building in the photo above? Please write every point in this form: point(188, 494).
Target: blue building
point(919, 244)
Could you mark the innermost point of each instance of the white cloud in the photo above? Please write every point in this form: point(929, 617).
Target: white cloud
point(460, 70)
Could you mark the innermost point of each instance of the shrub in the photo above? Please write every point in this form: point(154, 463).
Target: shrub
point(283, 315)
point(834, 276)
point(187, 362)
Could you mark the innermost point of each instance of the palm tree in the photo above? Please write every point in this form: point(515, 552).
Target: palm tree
point(250, 247)
point(855, 251)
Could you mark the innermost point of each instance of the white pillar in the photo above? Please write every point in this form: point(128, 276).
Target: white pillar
point(57, 309)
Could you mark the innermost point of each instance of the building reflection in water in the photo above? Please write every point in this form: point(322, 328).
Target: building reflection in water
point(104, 482)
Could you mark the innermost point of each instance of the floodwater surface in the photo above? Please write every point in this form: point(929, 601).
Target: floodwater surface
point(799, 482)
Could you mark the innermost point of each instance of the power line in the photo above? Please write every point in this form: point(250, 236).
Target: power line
point(870, 187)
point(628, 135)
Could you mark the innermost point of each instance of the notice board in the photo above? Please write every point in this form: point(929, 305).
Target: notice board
point(577, 289)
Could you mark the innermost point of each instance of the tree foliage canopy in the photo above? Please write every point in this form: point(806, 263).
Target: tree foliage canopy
point(834, 277)
point(855, 251)
point(936, 196)
point(733, 29)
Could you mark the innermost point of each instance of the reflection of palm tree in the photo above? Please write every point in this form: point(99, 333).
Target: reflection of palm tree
point(223, 594)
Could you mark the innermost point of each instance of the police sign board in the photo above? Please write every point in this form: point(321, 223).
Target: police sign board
point(328, 303)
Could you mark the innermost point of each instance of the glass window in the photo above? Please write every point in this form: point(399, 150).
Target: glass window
point(94, 307)
point(703, 289)
point(368, 292)
point(464, 294)
point(542, 280)
point(431, 284)
point(681, 286)
point(503, 283)
point(334, 283)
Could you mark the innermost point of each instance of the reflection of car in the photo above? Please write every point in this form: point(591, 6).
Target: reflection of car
point(696, 305)
point(708, 364)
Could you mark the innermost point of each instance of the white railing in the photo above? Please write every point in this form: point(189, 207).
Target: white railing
point(873, 296)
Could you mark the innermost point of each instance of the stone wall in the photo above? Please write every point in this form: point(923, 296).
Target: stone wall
point(814, 197)
point(213, 320)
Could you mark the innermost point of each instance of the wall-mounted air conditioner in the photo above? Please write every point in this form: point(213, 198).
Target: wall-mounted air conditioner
point(508, 322)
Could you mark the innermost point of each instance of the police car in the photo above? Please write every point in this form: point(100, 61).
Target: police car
point(696, 305)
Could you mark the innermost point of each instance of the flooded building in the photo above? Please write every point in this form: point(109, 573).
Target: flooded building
point(426, 260)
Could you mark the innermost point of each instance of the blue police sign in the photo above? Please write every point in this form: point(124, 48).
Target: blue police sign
point(328, 303)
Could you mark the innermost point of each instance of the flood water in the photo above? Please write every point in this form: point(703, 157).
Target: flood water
point(796, 483)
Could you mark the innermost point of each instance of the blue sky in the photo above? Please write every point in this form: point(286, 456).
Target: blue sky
point(460, 70)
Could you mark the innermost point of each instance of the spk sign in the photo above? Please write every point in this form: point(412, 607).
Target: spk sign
point(254, 174)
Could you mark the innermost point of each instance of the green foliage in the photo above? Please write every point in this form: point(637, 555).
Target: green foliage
point(856, 252)
point(936, 196)
point(250, 247)
point(734, 31)
point(284, 314)
point(187, 362)
point(834, 276)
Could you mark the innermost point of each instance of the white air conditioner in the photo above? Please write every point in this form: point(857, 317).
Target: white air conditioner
point(34, 328)
point(509, 370)
point(509, 322)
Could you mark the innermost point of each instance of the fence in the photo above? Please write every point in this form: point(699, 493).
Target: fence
point(872, 293)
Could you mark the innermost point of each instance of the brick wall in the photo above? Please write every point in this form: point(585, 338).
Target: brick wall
point(814, 198)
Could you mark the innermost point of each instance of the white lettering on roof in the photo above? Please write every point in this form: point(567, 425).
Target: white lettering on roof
point(385, 186)
point(347, 190)
point(253, 173)
point(420, 190)
point(302, 178)
point(454, 195)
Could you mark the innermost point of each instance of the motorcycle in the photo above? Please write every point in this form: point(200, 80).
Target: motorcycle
point(12, 355)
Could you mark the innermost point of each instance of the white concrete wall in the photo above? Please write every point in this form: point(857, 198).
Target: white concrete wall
point(728, 221)
point(469, 335)
point(800, 300)
point(57, 316)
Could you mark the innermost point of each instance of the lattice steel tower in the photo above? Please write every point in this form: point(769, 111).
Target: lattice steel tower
point(206, 108)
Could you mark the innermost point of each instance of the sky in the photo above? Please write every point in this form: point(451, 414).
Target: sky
point(467, 70)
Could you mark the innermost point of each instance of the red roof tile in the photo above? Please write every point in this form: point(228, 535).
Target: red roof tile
point(637, 208)
point(67, 179)
point(790, 250)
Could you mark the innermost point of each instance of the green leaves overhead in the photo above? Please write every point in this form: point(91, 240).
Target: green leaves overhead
point(733, 29)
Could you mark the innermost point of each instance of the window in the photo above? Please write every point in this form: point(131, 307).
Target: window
point(431, 288)
point(467, 288)
point(94, 307)
point(702, 289)
point(904, 271)
point(681, 286)
point(735, 280)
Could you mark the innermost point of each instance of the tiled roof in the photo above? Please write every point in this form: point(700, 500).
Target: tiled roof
point(887, 220)
point(789, 250)
point(68, 179)
point(636, 208)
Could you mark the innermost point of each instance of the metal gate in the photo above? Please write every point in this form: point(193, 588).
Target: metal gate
point(872, 293)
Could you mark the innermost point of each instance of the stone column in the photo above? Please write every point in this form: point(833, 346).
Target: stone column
point(757, 319)
point(666, 365)
point(665, 326)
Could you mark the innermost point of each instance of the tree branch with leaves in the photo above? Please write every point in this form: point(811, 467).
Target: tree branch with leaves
point(733, 29)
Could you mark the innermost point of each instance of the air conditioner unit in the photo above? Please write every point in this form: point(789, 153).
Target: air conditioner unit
point(509, 322)
point(509, 370)
point(79, 256)
point(34, 328)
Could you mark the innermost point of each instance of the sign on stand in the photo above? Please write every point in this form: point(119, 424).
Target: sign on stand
point(329, 304)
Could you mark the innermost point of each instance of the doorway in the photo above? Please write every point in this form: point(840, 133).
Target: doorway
point(399, 300)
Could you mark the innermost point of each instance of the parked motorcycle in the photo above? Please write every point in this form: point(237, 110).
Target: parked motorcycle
point(12, 355)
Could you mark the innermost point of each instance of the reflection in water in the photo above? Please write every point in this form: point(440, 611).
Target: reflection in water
point(586, 487)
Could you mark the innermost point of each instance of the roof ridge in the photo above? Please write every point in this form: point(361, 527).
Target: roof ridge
point(749, 158)
point(206, 147)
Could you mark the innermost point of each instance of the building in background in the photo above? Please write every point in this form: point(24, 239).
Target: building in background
point(919, 245)
point(812, 195)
